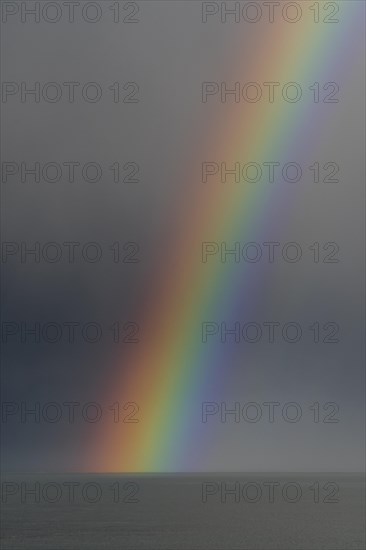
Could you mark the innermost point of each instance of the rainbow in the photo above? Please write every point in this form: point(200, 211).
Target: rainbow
point(171, 368)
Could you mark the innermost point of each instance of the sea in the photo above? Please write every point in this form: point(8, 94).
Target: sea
point(211, 511)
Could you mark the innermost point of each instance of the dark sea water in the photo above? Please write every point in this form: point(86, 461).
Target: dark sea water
point(263, 512)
